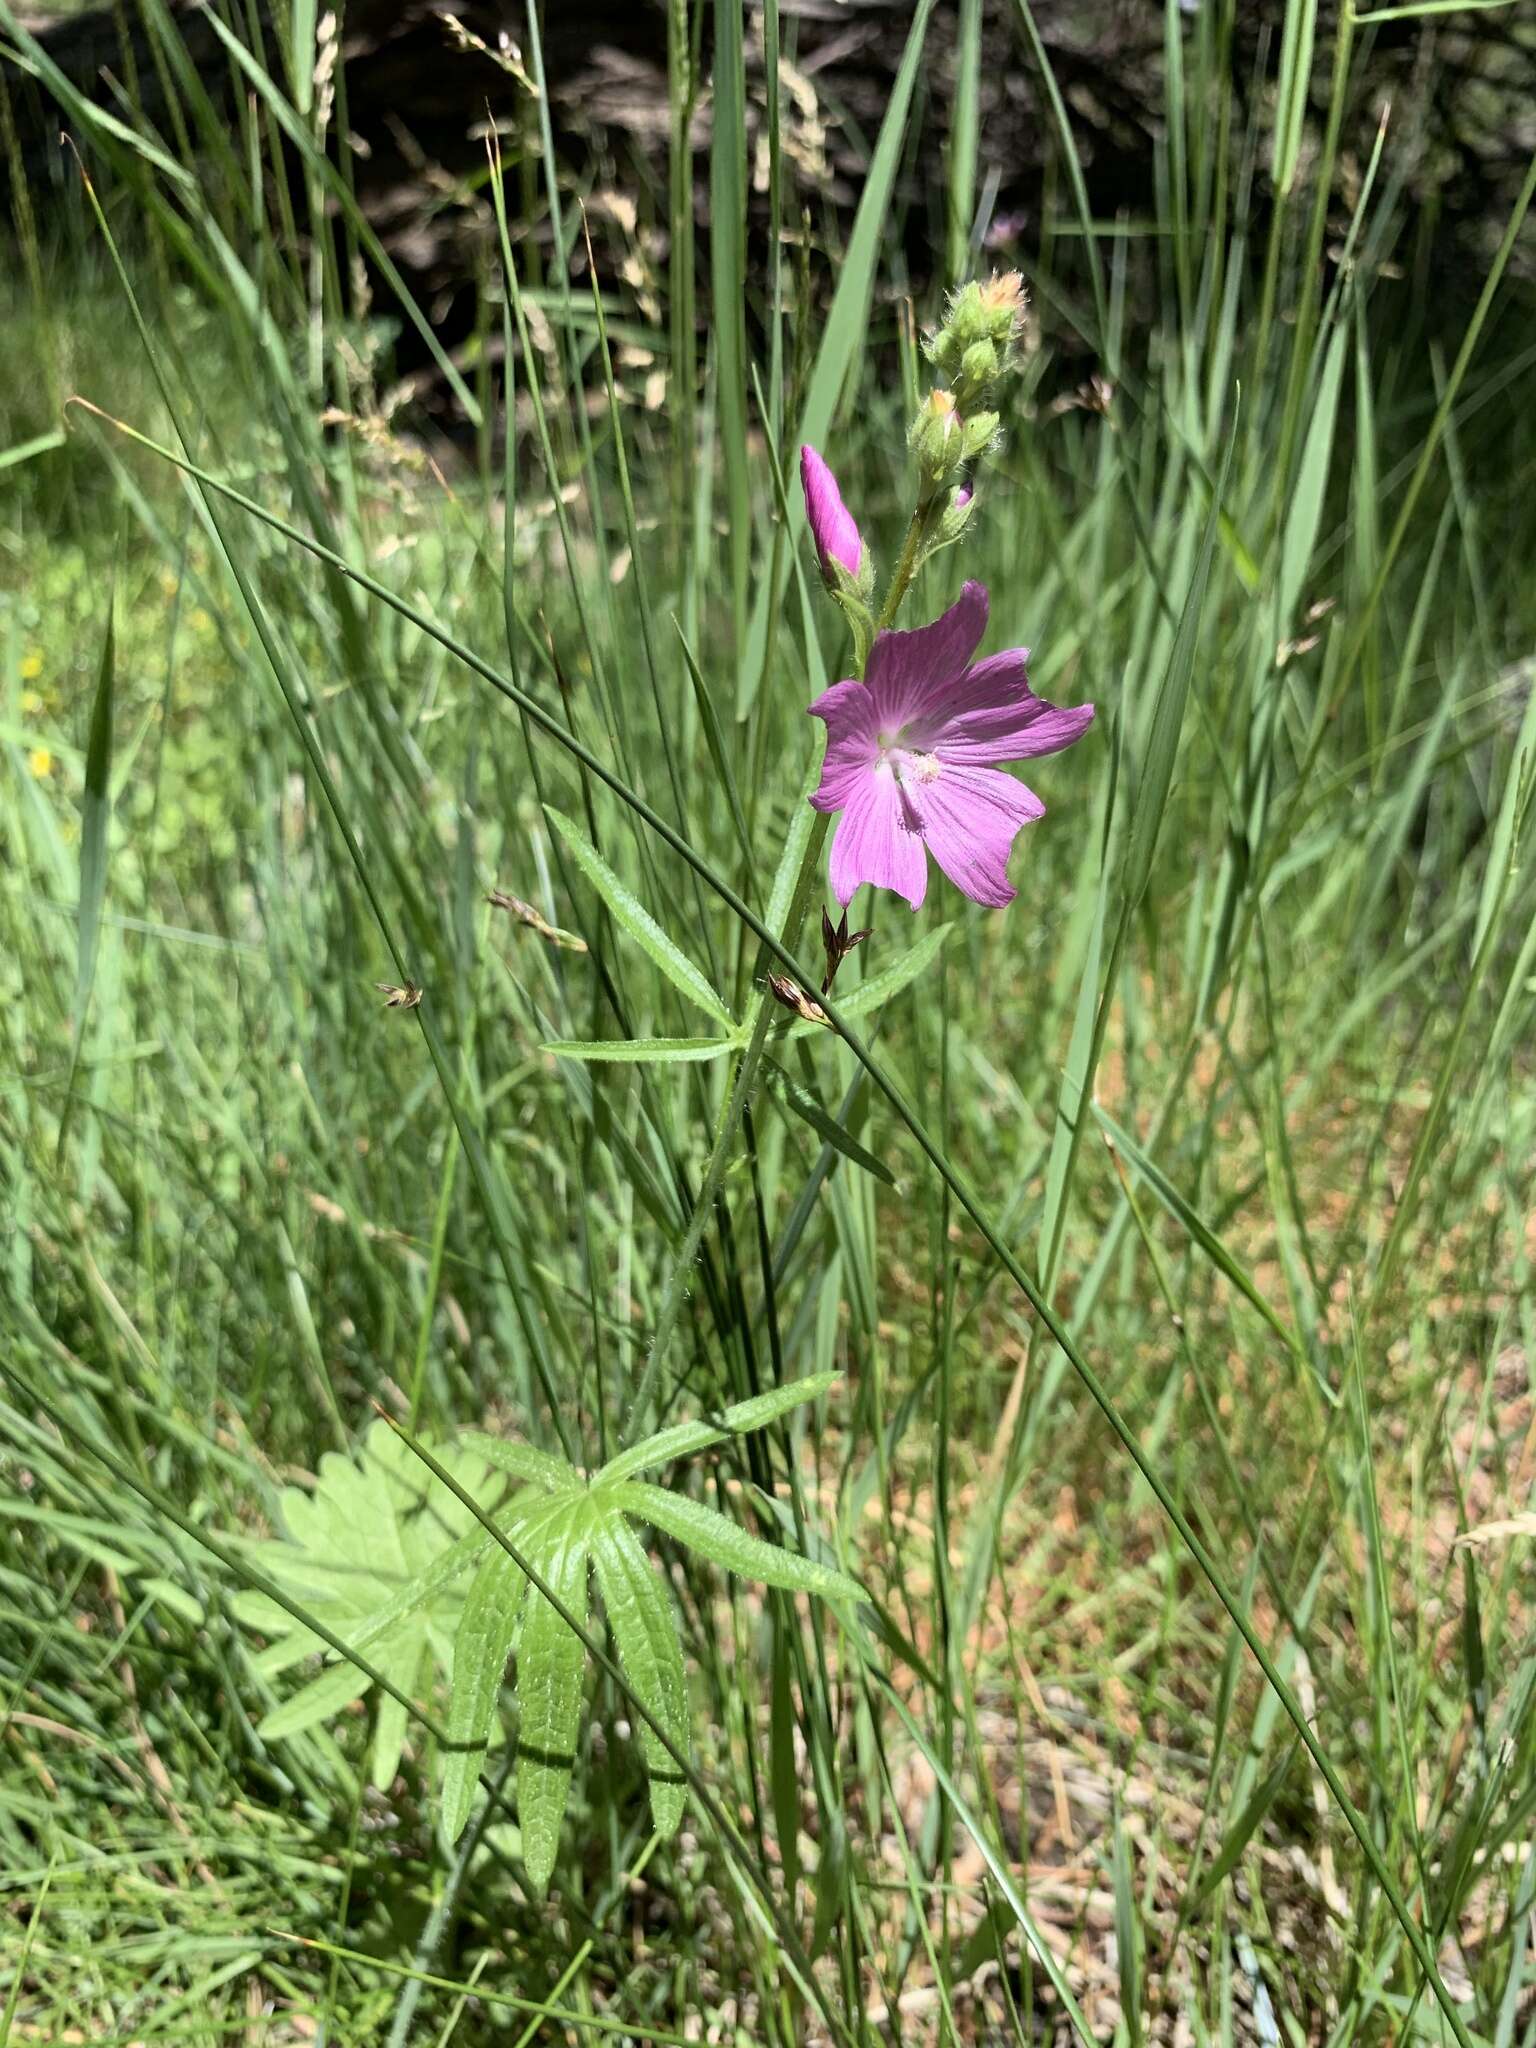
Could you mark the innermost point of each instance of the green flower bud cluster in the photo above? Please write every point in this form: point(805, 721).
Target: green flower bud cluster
point(975, 347)
point(978, 342)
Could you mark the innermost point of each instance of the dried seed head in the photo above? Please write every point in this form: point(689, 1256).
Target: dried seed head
point(536, 921)
point(839, 942)
point(793, 997)
point(399, 998)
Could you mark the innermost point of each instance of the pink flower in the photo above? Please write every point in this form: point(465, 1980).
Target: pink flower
point(914, 756)
point(833, 527)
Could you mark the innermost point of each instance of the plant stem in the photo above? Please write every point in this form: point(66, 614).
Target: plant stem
point(906, 565)
point(736, 1103)
point(745, 1077)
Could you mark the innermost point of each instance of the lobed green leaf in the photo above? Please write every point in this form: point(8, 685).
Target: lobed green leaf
point(336, 1688)
point(640, 1051)
point(740, 1419)
point(481, 1647)
point(728, 1545)
point(523, 1461)
point(631, 914)
point(645, 1629)
point(550, 1661)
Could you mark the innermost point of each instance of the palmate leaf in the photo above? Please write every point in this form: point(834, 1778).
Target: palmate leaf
point(523, 1461)
point(337, 1687)
point(379, 1551)
point(566, 1529)
point(486, 1637)
point(373, 1554)
point(487, 1632)
point(401, 1661)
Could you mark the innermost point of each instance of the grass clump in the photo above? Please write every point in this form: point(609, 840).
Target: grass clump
point(1177, 1213)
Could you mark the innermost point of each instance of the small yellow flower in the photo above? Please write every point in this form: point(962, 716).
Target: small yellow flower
point(40, 761)
point(31, 703)
point(31, 666)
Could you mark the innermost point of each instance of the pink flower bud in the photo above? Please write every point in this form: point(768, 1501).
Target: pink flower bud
point(833, 527)
point(962, 497)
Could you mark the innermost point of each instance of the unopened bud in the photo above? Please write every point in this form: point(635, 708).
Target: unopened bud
point(979, 434)
point(937, 435)
point(793, 997)
point(979, 364)
point(979, 368)
point(839, 942)
point(833, 527)
point(1002, 302)
point(990, 314)
point(957, 515)
point(967, 322)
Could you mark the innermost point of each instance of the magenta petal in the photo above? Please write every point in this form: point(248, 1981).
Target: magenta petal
point(833, 527)
point(971, 817)
point(877, 841)
point(998, 684)
point(849, 715)
point(990, 715)
point(1018, 732)
point(906, 669)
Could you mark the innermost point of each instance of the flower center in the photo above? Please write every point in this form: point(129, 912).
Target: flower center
point(911, 766)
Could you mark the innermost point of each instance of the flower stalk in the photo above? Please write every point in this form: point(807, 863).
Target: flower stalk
point(919, 734)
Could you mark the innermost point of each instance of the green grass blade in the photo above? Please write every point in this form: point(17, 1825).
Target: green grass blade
point(1198, 1230)
point(964, 140)
point(24, 451)
point(1292, 95)
point(95, 821)
point(1306, 506)
point(803, 1103)
point(728, 158)
point(1243, 1829)
point(1156, 778)
point(844, 331)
